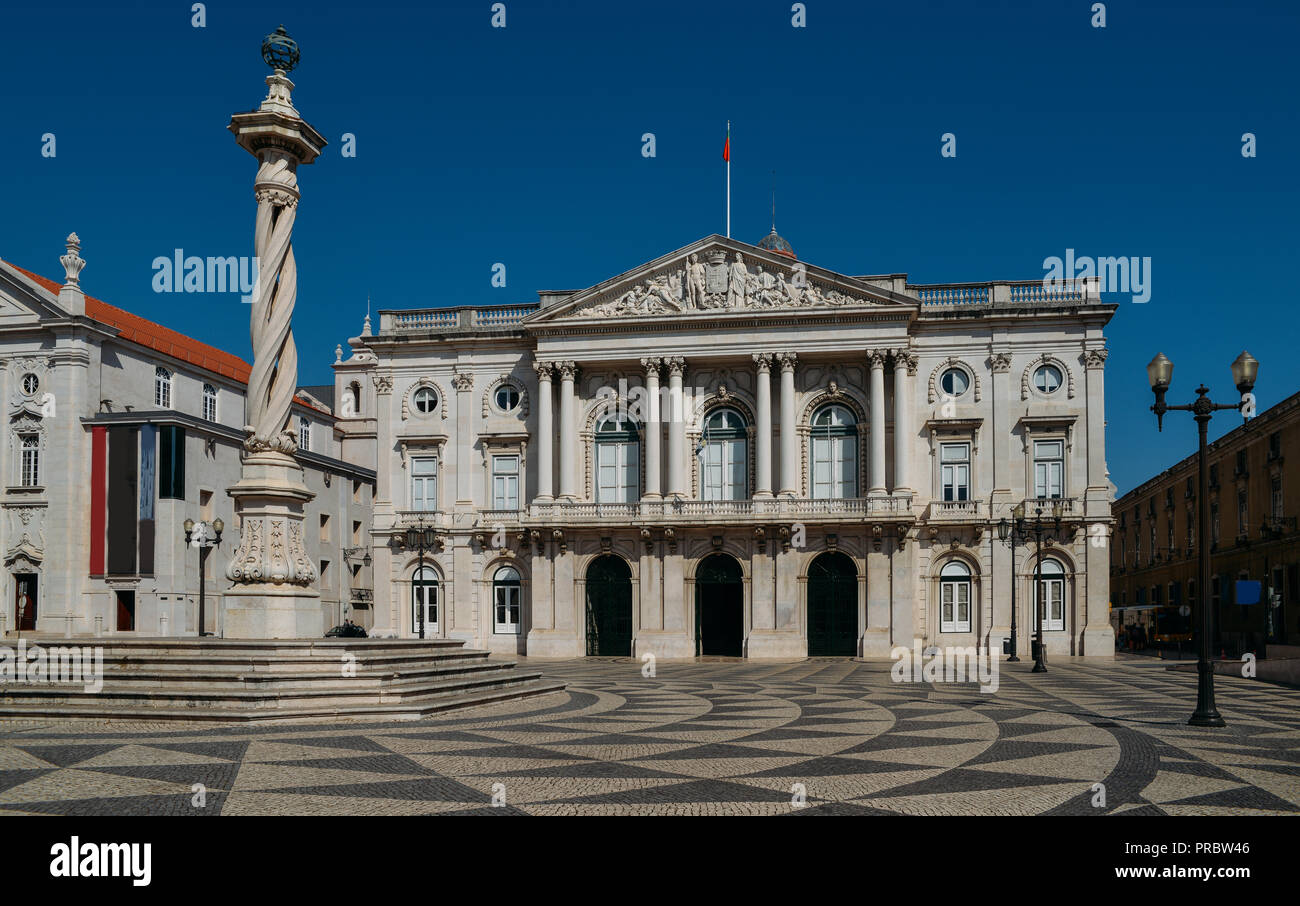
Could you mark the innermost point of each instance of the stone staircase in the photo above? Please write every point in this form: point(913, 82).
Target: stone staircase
point(280, 679)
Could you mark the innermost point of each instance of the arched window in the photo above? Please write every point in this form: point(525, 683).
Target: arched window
point(1052, 592)
point(954, 597)
point(725, 448)
point(209, 403)
point(424, 597)
point(352, 404)
point(304, 433)
point(618, 460)
point(505, 601)
point(834, 453)
point(162, 388)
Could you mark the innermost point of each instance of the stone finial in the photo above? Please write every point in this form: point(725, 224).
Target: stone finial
point(72, 261)
point(365, 326)
point(338, 353)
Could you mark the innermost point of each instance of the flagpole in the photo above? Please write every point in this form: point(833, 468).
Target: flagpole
point(728, 179)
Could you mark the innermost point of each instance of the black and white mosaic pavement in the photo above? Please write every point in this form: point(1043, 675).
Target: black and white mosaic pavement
point(726, 737)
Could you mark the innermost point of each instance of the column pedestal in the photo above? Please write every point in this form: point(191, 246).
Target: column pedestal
point(273, 597)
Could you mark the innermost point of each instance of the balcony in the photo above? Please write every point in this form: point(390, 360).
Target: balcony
point(1070, 508)
point(404, 519)
point(1005, 293)
point(955, 511)
point(460, 319)
point(695, 512)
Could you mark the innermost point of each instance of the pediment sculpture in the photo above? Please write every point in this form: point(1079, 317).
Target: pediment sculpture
point(717, 284)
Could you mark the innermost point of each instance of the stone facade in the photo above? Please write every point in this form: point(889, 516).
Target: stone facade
point(785, 442)
point(76, 372)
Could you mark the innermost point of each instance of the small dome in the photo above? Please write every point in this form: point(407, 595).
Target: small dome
point(774, 243)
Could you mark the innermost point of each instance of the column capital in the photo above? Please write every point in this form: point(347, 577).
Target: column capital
point(1095, 358)
point(787, 360)
point(676, 365)
point(905, 358)
point(1001, 362)
point(544, 370)
point(568, 370)
point(652, 365)
point(462, 380)
point(876, 358)
point(764, 362)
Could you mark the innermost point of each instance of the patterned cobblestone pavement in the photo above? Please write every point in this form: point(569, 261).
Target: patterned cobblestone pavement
point(707, 738)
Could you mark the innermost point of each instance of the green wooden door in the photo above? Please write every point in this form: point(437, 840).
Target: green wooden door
point(609, 607)
point(832, 607)
point(719, 607)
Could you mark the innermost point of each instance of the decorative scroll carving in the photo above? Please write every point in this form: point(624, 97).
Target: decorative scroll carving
point(1001, 362)
point(1095, 358)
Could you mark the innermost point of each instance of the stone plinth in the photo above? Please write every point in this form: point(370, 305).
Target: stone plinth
point(273, 596)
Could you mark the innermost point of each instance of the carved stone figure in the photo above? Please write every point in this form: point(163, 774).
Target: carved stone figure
point(736, 289)
point(694, 283)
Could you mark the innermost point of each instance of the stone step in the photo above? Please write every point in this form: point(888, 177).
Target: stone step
point(406, 710)
point(205, 677)
point(341, 691)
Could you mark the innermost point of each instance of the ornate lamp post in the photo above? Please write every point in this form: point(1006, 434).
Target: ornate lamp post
point(1039, 526)
point(272, 595)
point(1160, 373)
point(204, 536)
point(420, 538)
point(1015, 531)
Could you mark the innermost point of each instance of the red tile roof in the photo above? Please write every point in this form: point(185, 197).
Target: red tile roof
point(142, 332)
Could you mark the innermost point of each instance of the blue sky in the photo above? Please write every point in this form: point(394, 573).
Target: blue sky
point(522, 145)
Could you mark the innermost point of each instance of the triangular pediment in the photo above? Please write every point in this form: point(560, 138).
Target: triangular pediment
point(718, 276)
point(23, 301)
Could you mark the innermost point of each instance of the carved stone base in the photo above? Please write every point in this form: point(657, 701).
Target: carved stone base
point(1099, 641)
point(775, 644)
point(274, 594)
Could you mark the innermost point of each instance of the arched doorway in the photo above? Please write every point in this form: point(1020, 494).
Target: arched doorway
point(719, 607)
point(424, 602)
point(609, 607)
point(832, 606)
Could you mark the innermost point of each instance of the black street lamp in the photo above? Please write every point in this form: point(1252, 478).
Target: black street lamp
point(420, 537)
point(1039, 526)
point(1160, 373)
point(206, 538)
point(1016, 532)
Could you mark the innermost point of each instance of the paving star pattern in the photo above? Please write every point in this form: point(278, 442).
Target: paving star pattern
point(720, 737)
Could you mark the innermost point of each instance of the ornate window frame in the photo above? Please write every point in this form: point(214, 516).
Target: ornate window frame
point(832, 396)
point(722, 398)
point(490, 406)
point(944, 365)
point(408, 406)
point(1027, 388)
point(600, 407)
point(19, 426)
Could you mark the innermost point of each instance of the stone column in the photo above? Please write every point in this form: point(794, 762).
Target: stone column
point(876, 466)
point(789, 438)
point(904, 364)
point(568, 429)
point(463, 381)
point(1098, 636)
point(545, 434)
point(676, 428)
point(273, 576)
point(652, 428)
point(763, 430)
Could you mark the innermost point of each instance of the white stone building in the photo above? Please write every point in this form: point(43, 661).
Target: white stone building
point(118, 430)
point(727, 451)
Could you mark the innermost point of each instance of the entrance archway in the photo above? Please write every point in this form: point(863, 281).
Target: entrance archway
point(609, 607)
point(832, 606)
point(719, 607)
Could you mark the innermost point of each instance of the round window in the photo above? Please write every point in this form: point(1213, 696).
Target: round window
point(31, 383)
point(1047, 378)
point(425, 400)
point(954, 382)
point(507, 398)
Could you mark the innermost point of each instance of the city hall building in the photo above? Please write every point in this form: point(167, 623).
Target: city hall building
point(727, 451)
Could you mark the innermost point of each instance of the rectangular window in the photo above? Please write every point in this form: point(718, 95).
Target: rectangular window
point(1049, 468)
point(1191, 528)
point(304, 434)
point(171, 462)
point(724, 470)
point(424, 483)
point(1275, 496)
point(356, 533)
point(324, 527)
point(1214, 523)
point(954, 604)
point(31, 460)
point(954, 464)
point(505, 619)
point(1053, 595)
point(1214, 475)
point(1275, 445)
point(505, 482)
point(1241, 512)
point(1241, 462)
